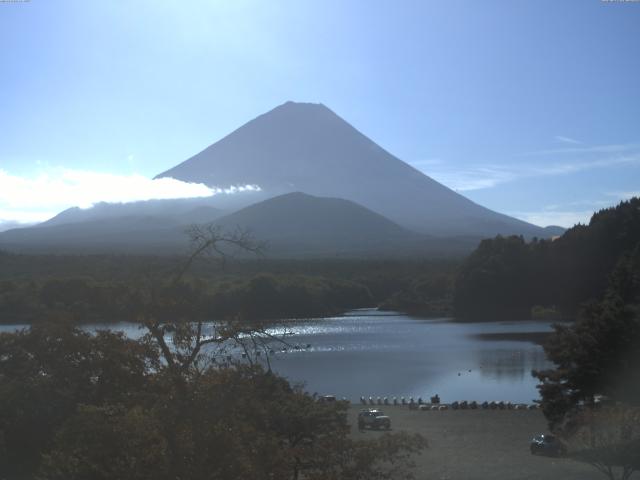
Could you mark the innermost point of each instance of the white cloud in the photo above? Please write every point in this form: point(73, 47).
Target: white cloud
point(570, 213)
point(563, 218)
point(614, 148)
point(35, 199)
point(475, 178)
point(9, 224)
point(591, 204)
point(570, 140)
point(578, 166)
point(488, 176)
point(624, 195)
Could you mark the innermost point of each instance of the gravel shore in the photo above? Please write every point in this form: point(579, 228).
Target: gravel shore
point(479, 444)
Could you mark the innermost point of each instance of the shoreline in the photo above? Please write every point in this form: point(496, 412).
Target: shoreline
point(539, 338)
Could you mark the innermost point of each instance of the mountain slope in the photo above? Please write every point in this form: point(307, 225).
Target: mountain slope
point(308, 148)
point(183, 210)
point(292, 225)
point(126, 234)
point(312, 222)
point(297, 224)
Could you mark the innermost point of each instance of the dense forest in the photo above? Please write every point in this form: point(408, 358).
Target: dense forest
point(599, 353)
point(105, 288)
point(429, 294)
point(508, 277)
point(591, 396)
point(259, 296)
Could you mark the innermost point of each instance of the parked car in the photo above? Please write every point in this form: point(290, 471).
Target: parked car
point(544, 444)
point(327, 399)
point(373, 418)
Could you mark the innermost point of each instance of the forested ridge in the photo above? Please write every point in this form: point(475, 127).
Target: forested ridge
point(591, 395)
point(508, 277)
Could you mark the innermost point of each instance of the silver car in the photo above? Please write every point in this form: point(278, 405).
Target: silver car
point(373, 418)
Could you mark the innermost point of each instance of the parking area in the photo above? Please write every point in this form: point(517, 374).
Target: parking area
point(479, 444)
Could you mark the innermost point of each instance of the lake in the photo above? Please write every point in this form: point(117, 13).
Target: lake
point(371, 353)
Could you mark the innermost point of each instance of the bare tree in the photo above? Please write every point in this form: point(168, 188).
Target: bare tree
point(212, 240)
point(172, 310)
point(177, 321)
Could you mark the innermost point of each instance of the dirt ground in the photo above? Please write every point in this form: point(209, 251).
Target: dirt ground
point(479, 444)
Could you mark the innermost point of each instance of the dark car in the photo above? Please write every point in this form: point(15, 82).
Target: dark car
point(547, 445)
point(373, 419)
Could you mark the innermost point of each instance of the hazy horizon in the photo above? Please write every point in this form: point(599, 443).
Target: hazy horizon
point(525, 108)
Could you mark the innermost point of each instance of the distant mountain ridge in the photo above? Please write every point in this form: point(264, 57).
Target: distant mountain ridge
point(11, 224)
point(308, 148)
point(299, 223)
point(125, 234)
point(168, 209)
point(197, 210)
point(287, 214)
point(292, 225)
point(325, 189)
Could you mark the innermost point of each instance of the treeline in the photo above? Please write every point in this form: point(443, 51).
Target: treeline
point(508, 277)
point(598, 354)
point(30, 301)
point(429, 294)
point(591, 395)
point(383, 276)
point(105, 288)
point(261, 296)
point(287, 296)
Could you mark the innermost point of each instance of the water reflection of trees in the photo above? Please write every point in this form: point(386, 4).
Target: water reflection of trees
point(511, 364)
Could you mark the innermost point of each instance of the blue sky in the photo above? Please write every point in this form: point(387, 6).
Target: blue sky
point(531, 108)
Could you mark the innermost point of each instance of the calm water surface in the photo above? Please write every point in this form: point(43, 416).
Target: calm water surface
point(374, 353)
point(371, 353)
